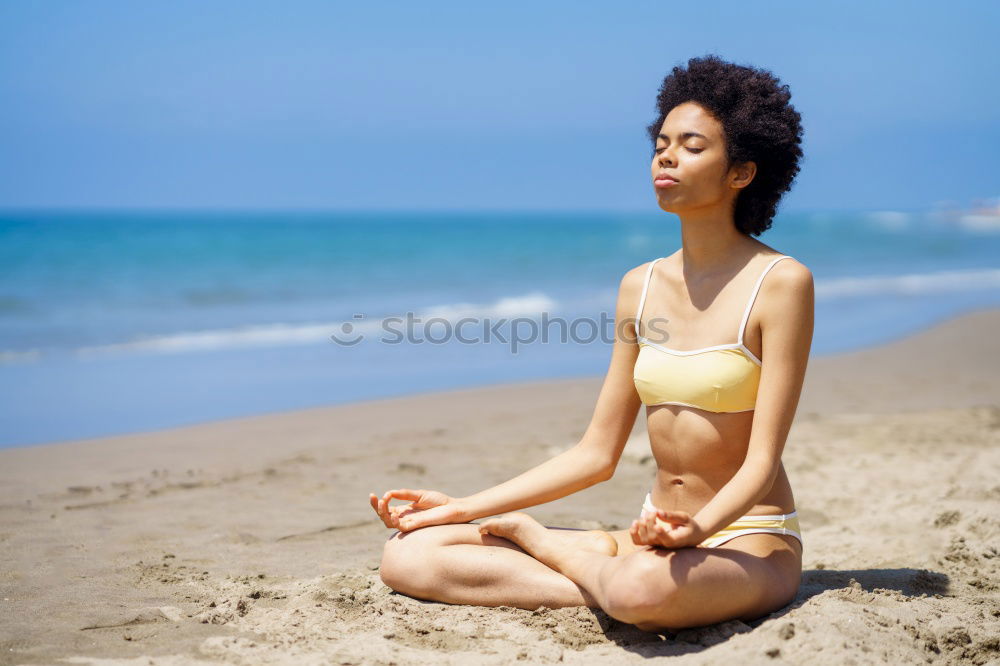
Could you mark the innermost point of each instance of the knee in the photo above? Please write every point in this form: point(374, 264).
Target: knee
point(638, 593)
point(405, 561)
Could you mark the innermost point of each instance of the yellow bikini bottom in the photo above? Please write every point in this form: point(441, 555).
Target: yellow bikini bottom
point(785, 523)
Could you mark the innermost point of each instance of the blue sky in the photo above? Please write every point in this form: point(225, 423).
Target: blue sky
point(455, 105)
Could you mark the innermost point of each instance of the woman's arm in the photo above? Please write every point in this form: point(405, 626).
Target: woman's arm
point(592, 460)
point(596, 456)
point(787, 331)
point(570, 471)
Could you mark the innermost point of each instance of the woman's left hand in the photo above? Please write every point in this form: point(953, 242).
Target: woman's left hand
point(680, 531)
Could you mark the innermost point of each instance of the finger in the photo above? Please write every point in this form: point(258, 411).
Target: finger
point(676, 517)
point(638, 529)
point(637, 537)
point(657, 533)
point(644, 531)
point(652, 537)
point(373, 499)
point(378, 508)
point(659, 528)
point(657, 520)
point(662, 535)
point(386, 513)
point(403, 494)
point(383, 512)
point(410, 519)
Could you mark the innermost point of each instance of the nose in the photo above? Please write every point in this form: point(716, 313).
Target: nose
point(665, 158)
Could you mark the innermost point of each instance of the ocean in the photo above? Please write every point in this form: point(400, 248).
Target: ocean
point(124, 321)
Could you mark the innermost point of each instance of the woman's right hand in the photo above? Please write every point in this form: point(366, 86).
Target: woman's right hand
point(427, 507)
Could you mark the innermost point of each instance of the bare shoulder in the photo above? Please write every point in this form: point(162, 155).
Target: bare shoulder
point(790, 276)
point(789, 290)
point(631, 283)
point(629, 290)
point(635, 277)
point(629, 293)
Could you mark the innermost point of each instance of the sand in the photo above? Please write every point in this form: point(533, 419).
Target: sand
point(251, 541)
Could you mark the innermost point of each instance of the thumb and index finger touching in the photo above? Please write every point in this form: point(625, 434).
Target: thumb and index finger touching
point(399, 493)
point(406, 517)
point(387, 513)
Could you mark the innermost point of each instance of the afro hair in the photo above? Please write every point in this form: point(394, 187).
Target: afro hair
point(759, 126)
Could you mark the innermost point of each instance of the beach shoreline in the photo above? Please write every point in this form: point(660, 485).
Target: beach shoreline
point(251, 540)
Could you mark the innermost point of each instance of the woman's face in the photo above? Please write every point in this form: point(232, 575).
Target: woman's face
point(691, 149)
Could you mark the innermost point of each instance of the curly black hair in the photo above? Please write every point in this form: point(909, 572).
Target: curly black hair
point(758, 122)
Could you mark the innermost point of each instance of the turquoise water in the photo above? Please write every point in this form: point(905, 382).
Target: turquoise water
point(124, 321)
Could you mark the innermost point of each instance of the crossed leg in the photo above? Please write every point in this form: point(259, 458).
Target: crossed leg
point(457, 564)
point(658, 588)
point(524, 564)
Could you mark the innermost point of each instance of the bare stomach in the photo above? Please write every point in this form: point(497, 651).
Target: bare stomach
point(698, 452)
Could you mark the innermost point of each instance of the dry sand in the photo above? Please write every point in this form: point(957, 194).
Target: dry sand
point(251, 541)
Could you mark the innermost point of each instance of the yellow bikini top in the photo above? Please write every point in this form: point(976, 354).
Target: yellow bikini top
point(722, 378)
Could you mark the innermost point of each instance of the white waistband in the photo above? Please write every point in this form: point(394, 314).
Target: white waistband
point(649, 506)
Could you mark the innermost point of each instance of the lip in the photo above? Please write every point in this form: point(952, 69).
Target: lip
point(664, 180)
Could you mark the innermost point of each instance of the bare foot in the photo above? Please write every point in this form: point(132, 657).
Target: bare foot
point(538, 540)
point(597, 541)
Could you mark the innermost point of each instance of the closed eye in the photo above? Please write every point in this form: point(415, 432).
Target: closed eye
point(693, 150)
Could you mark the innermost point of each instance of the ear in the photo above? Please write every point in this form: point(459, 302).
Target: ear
point(741, 174)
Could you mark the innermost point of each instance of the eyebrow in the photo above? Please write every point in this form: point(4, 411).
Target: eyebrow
point(684, 135)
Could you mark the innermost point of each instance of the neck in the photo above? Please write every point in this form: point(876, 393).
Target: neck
point(710, 242)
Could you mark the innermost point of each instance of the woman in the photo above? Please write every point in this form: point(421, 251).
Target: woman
point(717, 537)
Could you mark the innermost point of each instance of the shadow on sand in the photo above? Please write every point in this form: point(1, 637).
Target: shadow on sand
point(908, 582)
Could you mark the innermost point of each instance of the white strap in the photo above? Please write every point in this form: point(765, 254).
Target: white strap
point(642, 299)
point(753, 295)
